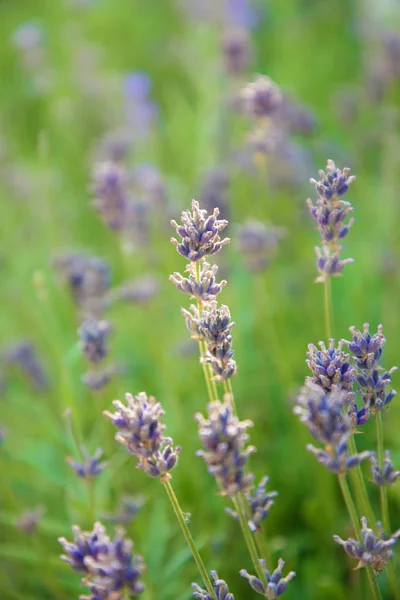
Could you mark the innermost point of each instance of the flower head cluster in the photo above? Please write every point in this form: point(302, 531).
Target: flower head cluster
point(257, 243)
point(323, 414)
point(337, 459)
point(224, 439)
point(236, 51)
point(200, 233)
point(29, 520)
point(220, 588)
point(330, 367)
point(259, 501)
point(276, 583)
point(330, 213)
point(366, 348)
point(261, 101)
point(261, 97)
point(374, 550)
point(142, 432)
point(109, 187)
point(23, 356)
point(140, 110)
point(215, 327)
point(126, 510)
point(87, 277)
point(373, 383)
point(205, 289)
point(192, 320)
point(108, 566)
point(93, 335)
point(386, 475)
point(91, 465)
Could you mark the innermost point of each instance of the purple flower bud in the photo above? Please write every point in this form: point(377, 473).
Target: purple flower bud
point(375, 550)
point(276, 584)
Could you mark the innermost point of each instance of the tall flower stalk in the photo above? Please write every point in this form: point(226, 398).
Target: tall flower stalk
point(331, 368)
point(141, 431)
point(222, 434)
point(376, 394)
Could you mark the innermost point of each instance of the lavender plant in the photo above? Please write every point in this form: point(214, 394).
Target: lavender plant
point(328, 404)
point(93, 335)
point(141, 431)
point(222, 434)
point(375, 550)
point(108, 566)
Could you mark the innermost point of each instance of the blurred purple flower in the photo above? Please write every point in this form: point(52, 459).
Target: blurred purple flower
point(23, 355)
point(140, 111)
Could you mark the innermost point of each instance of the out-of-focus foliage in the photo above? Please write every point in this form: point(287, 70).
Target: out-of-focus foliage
point(83, 81)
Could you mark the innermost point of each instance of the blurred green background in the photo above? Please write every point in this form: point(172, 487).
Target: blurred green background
point(61, 94)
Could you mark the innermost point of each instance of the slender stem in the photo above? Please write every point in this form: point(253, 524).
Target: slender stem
point(384, 501)
point(189, 539)
point(328, 308)
point(210, 383)
point(251, 546)
point(127, 595)
point(228, 390)
point(208, 376)
point(241, 504)
point(358, 481)
point(69, 419)
point(381, 456)
point(91, 497)
point(376, 594)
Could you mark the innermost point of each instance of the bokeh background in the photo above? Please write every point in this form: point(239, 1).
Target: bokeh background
point(151, 83)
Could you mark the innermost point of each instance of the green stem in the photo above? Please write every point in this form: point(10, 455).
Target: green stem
point(328, 308)
point(381, 457)
point(376, 594)
point(361, 492)
point(228, 390)
point(92, 509)
point(189, 539)
point(384, 501)
point(238, 502)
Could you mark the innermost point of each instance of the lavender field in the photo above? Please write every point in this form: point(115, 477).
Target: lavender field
point(200, 299)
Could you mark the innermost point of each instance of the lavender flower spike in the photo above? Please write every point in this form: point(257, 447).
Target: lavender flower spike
point(93, 336)
point(199, 232)
point(366, 348)
point(330, 213)
point(334, 183)
point(331, 367)
point(206, 289)
point(215, 326)
point(91, 467)
point(220, 588)
point(338, 460)
point(110, 189)
point(329, 264)
point(323, 414)
point(259, 502)
point(385, 476)
point(224, 438)
point(367, 351)
point(375, 550)
point(110, 568)
point(261, 97)
point(141, 431)
point(276, 584)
